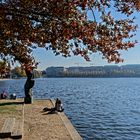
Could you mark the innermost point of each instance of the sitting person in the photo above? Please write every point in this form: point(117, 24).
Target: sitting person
point(4, 95)
point(58, 107)
point(13, 96)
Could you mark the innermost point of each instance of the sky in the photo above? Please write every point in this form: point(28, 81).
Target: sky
point(48, 59)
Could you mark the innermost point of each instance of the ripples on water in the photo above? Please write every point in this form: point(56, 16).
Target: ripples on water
point(99, 108)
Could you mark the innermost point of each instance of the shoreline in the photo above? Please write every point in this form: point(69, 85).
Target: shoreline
point(4, 79)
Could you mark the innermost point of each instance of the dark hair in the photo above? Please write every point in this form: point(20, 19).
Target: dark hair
point(58, 101)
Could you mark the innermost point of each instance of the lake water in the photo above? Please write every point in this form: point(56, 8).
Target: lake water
point(99, 108)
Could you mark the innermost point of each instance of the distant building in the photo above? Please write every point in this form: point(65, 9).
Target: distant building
point(55, 71)
point(95, 71)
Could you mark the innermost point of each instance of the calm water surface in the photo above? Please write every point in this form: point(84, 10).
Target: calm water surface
point(99, 108)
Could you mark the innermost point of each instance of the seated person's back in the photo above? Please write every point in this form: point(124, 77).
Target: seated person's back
point(58, 105)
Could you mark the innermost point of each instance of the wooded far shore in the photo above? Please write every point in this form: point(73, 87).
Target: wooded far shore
point(79, 71)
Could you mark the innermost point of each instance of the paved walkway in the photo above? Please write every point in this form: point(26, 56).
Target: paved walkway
point(39, 125)
point(42, 126)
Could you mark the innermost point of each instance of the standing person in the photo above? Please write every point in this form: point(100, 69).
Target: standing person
point(29, 82)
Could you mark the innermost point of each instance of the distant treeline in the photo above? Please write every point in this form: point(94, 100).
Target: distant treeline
point(18, 72)
point(94, 71)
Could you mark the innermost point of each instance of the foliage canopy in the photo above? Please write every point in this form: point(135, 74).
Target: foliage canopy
point(64, 27)
point(4, 68)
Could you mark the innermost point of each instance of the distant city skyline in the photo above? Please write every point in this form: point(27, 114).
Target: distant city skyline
point(47, 58)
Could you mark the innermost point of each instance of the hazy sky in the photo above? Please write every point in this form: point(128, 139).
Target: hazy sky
point(47, 58)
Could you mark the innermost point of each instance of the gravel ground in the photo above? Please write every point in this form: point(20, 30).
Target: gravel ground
point(38, 125)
